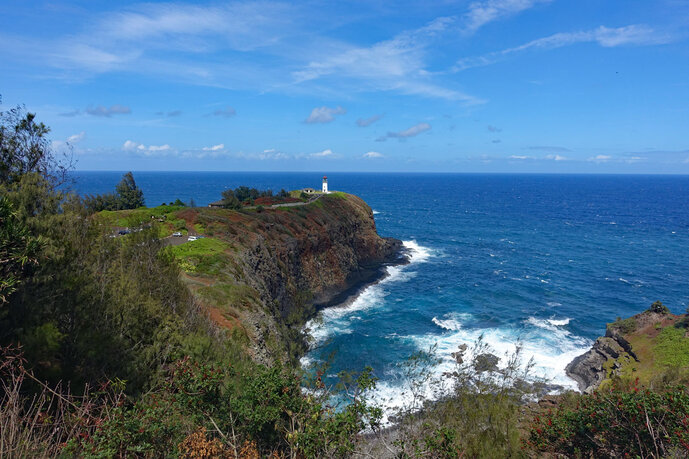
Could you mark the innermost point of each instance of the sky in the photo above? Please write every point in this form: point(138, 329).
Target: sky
point(553, 86)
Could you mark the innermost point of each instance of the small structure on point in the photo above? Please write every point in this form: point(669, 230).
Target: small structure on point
point(309, 190)
point(217, 204)
point(325, 185)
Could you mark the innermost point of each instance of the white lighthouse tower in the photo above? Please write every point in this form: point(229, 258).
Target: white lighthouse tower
point(325, 185)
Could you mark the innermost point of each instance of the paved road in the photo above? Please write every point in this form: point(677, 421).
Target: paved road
point(289, 204)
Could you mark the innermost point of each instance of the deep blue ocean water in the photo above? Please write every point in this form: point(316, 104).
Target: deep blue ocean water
point(546, 260)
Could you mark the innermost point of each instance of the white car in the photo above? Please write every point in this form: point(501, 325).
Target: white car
point(192, 238)
point(177, 234)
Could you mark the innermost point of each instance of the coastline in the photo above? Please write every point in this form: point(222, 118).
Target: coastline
point(359, 281)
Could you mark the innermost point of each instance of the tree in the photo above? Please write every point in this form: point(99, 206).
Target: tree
point(130, 196)
point(229, 200)
point(18, 250)
point(99, 202)
point(25, 149)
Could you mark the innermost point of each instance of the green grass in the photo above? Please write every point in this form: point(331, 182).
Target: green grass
point(226, 296)
point(135, 217)
point(337, 195)
point(659, 355)
point(672, 348)
point(199, 248)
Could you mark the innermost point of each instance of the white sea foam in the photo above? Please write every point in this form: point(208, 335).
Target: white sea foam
point(545, 341)
point(559, 323)
point(447, 324)
point(417, 253)
point(548, 324)
point(375, 212)
point(336, 320)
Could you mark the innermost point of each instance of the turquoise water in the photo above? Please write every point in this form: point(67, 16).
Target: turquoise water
point(542, 259)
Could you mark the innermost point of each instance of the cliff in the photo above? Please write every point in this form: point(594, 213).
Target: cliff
point(646, 346)
point(263, 272)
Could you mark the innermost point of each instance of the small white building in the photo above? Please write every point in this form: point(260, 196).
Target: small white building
point(325, 185)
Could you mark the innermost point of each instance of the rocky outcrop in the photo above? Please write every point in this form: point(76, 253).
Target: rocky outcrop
point(608, 353)
point(589, 369)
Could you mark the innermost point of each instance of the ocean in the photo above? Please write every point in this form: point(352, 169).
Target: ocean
point(541, 260)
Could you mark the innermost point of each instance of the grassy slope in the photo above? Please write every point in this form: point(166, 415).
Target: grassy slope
point(141, 216)
point(662, 348)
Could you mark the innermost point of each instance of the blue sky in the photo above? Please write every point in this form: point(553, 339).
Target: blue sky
point(465, 86)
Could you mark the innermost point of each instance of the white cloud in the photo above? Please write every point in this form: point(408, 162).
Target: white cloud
point(227, 112)
point(324, 114)
point(600, 158)
point(397, 64)
point(165, 147)
point(323, 154)
point(636, 34)
point(108, 112)
point(130, 145)
point(556, 157)
point(364, 122)
point(214, 147)
point(410, 132)
point(254, 45)
point(373, 155)
point(481, 13)
point(521, 157)
point(76, 138)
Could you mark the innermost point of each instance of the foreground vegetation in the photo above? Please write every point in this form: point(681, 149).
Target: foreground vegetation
point(108, 350)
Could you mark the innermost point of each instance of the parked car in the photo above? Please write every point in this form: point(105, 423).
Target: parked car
point(176, 234)
point(123, 232)
point(192, 238)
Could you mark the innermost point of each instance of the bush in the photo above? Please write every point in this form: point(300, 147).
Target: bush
point(624, 421)
point(624, 326)
point(659, 308)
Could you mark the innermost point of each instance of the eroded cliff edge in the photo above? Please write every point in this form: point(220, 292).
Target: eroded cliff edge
point(270, 269)
point(643, 346)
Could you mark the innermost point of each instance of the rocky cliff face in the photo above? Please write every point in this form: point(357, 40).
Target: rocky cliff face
point(590, 369)
point(333, 246)
point(614, 354)
point(287, 262)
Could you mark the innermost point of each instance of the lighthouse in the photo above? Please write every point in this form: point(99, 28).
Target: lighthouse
point(325, 184)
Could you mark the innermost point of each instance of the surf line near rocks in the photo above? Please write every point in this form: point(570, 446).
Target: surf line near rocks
point(334, 319)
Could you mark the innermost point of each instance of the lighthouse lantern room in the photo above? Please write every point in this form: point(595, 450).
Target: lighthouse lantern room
point(325, 184)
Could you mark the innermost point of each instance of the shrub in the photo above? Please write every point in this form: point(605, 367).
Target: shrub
point(624, 421)
point(624, 326)
point(659, 308)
